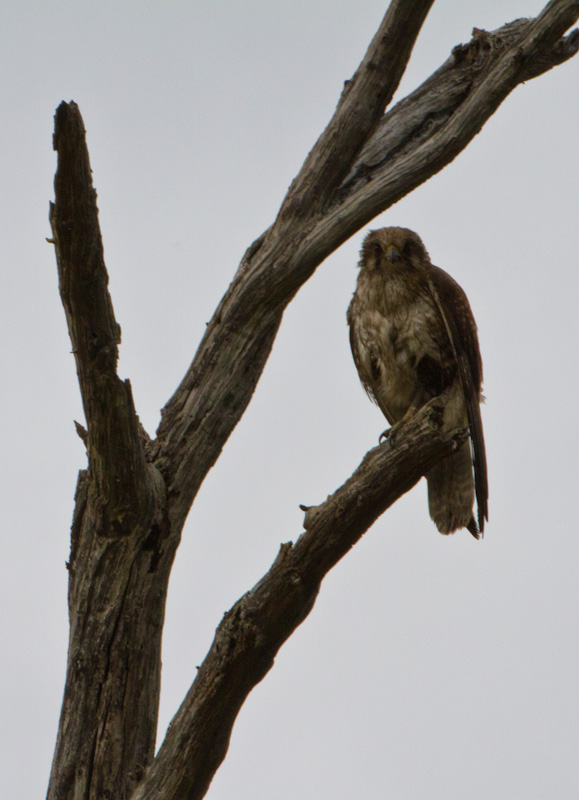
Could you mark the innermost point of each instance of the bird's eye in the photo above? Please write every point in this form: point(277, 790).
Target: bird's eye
point(377, 249)
point(408, 247)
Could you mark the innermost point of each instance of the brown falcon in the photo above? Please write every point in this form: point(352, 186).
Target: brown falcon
point(413, 337)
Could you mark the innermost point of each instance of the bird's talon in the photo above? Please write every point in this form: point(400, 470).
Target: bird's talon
point(389, 435)
point(384, 436)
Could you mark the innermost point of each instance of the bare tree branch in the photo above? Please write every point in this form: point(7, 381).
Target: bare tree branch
point(115, 447)
point(251, 633)
point(122, 548)
point(361, 106)
point(428, 129)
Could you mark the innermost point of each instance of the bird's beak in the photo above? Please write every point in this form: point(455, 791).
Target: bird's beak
point(392, 253)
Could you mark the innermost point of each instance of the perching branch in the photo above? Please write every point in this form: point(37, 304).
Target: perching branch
point(251, 633)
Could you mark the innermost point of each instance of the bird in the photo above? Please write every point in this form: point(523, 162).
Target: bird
point(414, 337)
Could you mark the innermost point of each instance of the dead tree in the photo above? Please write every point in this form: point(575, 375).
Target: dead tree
point(133, 499)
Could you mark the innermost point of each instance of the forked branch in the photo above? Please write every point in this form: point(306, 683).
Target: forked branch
point(114, 442)
point(359, 110)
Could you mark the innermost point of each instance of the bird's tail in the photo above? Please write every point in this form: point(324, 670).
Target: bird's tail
point(451, 493)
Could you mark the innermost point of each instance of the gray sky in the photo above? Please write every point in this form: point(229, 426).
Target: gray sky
point(431, 667)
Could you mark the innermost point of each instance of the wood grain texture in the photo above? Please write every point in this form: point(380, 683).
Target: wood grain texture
point(122, 547)
point(251, 633)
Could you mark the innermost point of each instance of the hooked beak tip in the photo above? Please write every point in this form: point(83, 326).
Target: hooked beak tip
point(393, 254)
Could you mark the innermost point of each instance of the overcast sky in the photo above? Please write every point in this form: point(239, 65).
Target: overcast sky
point(431, 667)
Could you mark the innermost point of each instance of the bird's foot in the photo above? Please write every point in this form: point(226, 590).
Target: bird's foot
point(389, 435)
point(384, 436)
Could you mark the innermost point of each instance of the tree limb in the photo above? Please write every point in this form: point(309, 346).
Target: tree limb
point(434, 106)
point(114, 443)
point(251, 633)
point(429, 128)
point(359, 110)
point(122, 545)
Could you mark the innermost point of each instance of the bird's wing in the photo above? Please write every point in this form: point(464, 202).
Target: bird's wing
point(454, 308)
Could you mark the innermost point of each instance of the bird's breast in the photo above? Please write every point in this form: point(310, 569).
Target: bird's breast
point(393, 335)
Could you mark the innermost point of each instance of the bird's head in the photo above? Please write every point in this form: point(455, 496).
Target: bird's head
point(392, 250)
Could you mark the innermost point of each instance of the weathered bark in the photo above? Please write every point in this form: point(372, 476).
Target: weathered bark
point(251, 633)
point(358, 112)
point(122, 547)
point(132, 501)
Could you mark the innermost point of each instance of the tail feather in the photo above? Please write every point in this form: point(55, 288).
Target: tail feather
point(451, 493)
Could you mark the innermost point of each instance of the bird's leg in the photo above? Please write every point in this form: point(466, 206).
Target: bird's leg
point(390, 433)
